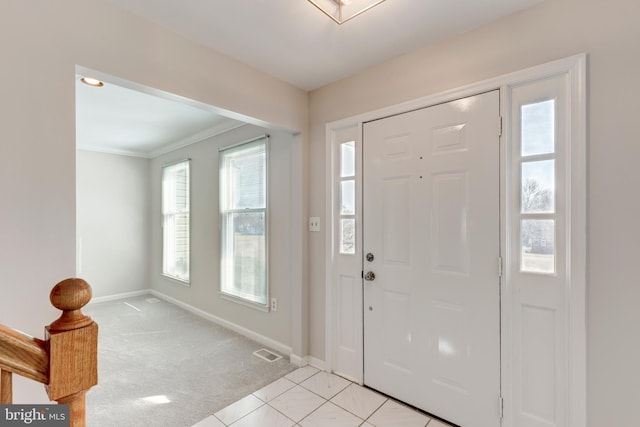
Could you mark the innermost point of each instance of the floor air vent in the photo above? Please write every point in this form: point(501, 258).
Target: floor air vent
point(267, 355)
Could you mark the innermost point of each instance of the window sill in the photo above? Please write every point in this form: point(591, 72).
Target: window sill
point(177, 280)
point(246, 303)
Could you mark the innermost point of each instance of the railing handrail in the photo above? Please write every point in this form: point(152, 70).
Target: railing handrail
point(23, 355)
point(66, 361)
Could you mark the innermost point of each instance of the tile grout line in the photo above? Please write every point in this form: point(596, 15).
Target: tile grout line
point(324, 402)
point(344, 409)
point(365, 420)
point(328, 401)
point(285, 415)
point(386, 399)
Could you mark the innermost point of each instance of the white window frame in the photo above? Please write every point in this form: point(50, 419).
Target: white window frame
point(553, 298)
point(226, 257)
point(169, 214)
point(344, 301)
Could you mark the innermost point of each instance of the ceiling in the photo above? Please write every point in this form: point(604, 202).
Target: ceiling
point(294, 41)
point(288, 39)
point(119, 120)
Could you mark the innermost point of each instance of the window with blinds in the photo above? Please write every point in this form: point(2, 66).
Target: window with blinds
point(176, 220)
point(243, 221)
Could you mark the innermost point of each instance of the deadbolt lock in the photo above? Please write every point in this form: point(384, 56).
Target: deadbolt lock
point(369, 257)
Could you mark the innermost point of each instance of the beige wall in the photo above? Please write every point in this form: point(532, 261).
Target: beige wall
point(610, 34)
point(202, 292)
point(41, 42)
point(112, 222)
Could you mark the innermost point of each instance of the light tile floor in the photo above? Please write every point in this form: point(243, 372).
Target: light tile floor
point(308, 397)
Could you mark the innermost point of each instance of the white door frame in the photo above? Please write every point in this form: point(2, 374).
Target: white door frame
point(574, 68)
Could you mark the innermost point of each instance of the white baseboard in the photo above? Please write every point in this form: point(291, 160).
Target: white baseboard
point(120, 296)
point(266, 341)
point(316, 363)
point(307, 360)
point(299, 361)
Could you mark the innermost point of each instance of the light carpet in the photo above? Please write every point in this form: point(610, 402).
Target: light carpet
point(160, 365)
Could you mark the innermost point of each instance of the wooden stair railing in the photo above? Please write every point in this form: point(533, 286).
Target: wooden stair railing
point(66, 361)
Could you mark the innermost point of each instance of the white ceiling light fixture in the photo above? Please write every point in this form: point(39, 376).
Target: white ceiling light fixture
point(342, 11)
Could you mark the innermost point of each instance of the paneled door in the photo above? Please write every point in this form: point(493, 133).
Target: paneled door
point(431, 271)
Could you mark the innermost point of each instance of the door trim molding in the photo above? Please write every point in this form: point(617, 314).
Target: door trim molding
point(574, 68)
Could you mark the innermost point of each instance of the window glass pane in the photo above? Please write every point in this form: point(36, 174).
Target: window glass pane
point(244, 176)
point(348, 236)
point(538, 246)
point(176, 246)
point(538, 187)
point(348, 159)
point(175, 187)
point(243, 200)
point(538, 128)
point(348, 197)
point(244, 256)
point(175, 221)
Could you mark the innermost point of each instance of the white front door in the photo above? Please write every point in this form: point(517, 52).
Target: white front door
point(431, 224)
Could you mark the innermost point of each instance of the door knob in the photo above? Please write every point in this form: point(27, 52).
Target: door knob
point(370, 276)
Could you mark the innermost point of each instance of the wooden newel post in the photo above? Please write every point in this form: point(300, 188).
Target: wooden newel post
point(73, 349)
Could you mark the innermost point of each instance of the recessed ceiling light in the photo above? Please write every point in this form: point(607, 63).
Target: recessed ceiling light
point(91, 81)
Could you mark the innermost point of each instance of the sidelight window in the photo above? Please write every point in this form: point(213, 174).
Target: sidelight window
point(538, 187)
point(347, 214)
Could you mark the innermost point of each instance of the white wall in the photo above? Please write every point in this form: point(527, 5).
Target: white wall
point(202, 292)
point(41, 43)
point(609, 33)
point(112, 222)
